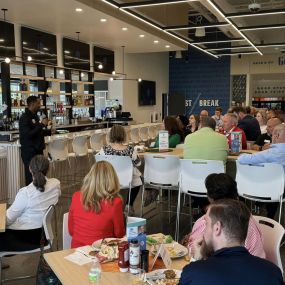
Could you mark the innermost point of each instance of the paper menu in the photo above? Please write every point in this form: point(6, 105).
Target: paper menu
point(163, 140)
point(164, 253)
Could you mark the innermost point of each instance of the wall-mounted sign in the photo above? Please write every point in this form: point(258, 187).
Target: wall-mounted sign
point(204, 103)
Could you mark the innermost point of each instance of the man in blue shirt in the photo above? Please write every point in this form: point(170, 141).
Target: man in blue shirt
point(228, 262)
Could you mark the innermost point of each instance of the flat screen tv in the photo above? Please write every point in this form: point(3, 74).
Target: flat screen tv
point(147, 93)
point(105, 58)
point(76, 54)
point(39, 45)
point(7, 40)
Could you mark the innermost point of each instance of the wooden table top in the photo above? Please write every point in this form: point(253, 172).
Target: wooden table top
point(2, 217)
point(179, 152)
point(70, 273)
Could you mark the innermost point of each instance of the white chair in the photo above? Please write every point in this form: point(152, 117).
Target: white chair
point(263, 182)
point(272, 233)
point(143, 133)
point(134, 135)
point(162, 172)
point(152, 132)
point(47, 227)
point(193, 173)
point(96, 141)
point(123, 166)
point(80, 147)
point(66, 237)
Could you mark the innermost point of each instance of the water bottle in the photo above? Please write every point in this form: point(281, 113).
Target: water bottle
point(94, 273)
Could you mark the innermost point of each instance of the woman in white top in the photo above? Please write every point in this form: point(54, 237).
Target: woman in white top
point(262, 120)
point(24, 217)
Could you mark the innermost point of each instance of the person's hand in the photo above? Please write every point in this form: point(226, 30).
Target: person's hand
point(266, 146)
point(45, 121)
point(196, 250)
point(255, 147)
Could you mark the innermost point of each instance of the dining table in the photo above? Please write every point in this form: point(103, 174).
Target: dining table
point(2, 217)
point(70, 273)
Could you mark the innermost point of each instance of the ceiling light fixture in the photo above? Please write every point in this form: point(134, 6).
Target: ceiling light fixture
point(45, 48)
point(216, 42)
point(200, 32)
point(235, 47)
point(29, 58)
point(25, 43)
point(142, 36)
point(261, 13)
point(167, 46)
point(196, 27)
point(2, 40)
point(103, 20)
point(111, 3)
point(237, 53)
point(262, 28)
point(67, 51)
point(271, 45)
point(78, 10)
point(156, 41)
point(219, 11)
point(61, 71)
point(82, 74)
point(157, 3)
point(7, 60)
point(124, 29)
point(100, 66)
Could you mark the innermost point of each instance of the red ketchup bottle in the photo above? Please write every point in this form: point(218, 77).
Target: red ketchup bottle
point(123, 260)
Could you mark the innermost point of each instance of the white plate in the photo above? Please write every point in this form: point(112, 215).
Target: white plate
point(175, 249)
point(97, 244)
point(158, 274)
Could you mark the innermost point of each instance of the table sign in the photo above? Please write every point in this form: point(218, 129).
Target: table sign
point(163, 252)
point(163, 140)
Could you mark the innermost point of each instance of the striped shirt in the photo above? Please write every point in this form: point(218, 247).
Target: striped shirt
point(253, 242)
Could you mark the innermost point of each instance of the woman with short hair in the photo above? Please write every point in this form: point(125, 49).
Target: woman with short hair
point(96, 212)
point(24, 218)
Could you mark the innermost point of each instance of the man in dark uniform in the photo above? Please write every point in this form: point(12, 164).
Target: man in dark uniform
point(32, 133)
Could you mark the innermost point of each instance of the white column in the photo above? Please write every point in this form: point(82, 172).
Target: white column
point(91, 57)
point(59, 50)
point(18, 42)
point(248, 95)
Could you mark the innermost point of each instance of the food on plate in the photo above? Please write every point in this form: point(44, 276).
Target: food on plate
point(108, 250)
point(113, 242)
point(167, 281)
point(159, 238)
point(169, 274)
point(93, 253)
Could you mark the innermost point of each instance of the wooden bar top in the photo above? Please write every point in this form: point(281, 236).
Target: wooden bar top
point(70, 273)
point(2, 218)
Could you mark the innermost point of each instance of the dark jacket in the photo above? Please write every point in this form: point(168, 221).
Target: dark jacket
point(251, 127)
point(32, 132)
point(231, 266)
point(260, 140)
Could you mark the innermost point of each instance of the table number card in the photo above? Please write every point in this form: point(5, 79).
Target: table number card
point(163, 140)
point(164, 253)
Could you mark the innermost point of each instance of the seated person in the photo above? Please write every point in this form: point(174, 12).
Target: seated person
point(218, 117)
point(117, 138)
point(24, 218)
point(194, 121)
point(183, 123)
point(263, 141)
point(222, 186)
point(230, 122)
point(96, 212)
point(175, 134)
point(223, 259)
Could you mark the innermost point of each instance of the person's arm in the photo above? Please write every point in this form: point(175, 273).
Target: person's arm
point(197, 232)
point(17, 208)
point(118, 218)
point(70, 216)
point(174, 140)
point(256, 158)
point(28, 128)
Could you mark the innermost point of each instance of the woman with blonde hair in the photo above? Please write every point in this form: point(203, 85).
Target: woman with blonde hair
point(261, 117)
point(96, 212)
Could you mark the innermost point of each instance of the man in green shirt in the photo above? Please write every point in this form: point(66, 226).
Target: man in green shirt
point(206, 143)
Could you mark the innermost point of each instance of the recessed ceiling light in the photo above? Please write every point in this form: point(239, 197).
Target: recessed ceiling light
point(61, 71)
point(45, 48)
point(29, 58)
point(67, 51)
point(2, 40)
point(78, 10)
point(167, 46)
point(156, 41)
point(7, 60)
point(100, 66)
point(141, 36)
point(103, 20)
point(82, 74)
point(124, 29)
point(25, 43)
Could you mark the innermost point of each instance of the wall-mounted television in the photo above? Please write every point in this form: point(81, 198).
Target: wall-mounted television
point(147, 93)
point(39, 45)
point(76, 54)
point(7, 40)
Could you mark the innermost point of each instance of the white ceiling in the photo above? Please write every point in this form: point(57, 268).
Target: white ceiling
point(59, 17)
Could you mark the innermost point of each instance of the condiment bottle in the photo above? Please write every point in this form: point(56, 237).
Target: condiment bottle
point(134, 256)
point(123, 260)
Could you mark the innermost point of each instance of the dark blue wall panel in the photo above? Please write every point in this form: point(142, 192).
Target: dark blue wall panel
point(200, 77)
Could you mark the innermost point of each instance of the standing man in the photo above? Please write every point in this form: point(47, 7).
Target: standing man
point(32, 133)
point(225, 259)
point(248, 123)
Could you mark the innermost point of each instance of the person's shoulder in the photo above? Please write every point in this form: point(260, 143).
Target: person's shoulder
point(117, 201)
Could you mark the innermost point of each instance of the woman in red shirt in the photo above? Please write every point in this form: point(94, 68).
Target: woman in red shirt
point(96, 212)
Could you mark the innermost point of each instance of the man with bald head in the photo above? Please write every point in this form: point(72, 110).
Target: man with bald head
point(274, 154)
point(264, 140)
point(204, 114)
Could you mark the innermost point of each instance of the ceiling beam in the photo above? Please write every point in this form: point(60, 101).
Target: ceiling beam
point(271, 45)
point(141, 4)
point(189, 27)
point(262, 27)
point(260, 13)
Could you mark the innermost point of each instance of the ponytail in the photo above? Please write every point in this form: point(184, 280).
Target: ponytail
point(39, 166)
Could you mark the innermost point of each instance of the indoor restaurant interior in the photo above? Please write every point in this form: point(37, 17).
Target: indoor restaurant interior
point(142, 142)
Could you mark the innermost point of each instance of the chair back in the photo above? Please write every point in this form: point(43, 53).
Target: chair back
point(143, 133)
point(194, 173)
point(272, 233)
point(66, 237)
point(264, 182)
point(134, 134)
point(162, 170)
point(47, 224)
point(152, 132)
point(79, 144)
point(58, 149)
point(123, 166)
point(96, 141)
